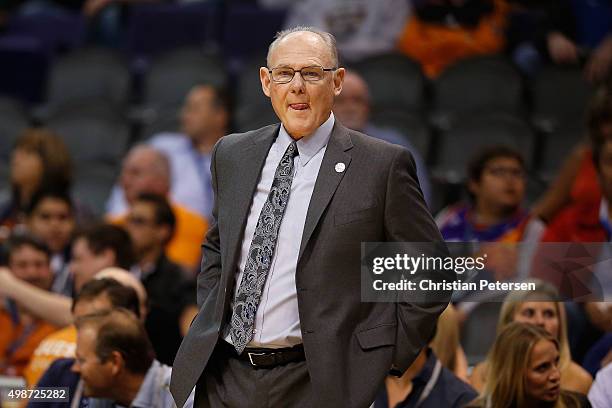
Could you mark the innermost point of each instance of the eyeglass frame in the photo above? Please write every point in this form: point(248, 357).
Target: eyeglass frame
point(300, 71)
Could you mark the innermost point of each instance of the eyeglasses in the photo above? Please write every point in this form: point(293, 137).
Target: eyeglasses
point(284, 75)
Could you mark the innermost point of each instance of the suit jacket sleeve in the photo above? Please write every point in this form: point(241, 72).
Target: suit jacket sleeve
point(407, 219)
point(210, 271)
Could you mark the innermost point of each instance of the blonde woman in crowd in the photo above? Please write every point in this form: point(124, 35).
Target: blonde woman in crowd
point(542, 308)
point(525, 371)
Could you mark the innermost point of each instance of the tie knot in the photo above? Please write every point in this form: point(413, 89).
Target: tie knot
point(292, 150)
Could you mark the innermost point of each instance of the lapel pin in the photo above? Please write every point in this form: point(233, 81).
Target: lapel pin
point(340, 167)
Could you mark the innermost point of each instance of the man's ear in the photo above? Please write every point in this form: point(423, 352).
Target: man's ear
point(338, 80)
point(117, 362)
point(110, 258)
point(164, 234)
point(264, 77)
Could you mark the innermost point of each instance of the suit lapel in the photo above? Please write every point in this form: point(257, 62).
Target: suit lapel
point(250, 161)
point(327, 180)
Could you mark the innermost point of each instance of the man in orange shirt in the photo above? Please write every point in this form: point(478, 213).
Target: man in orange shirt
point(146, 170)
point(20, 332)
point(96, 296)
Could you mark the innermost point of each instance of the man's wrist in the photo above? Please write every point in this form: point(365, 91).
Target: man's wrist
point(6, 281)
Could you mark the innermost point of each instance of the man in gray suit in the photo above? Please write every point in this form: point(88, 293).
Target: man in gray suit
point(281, 322)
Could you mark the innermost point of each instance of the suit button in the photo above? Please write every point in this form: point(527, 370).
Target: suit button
point(302, 289)
point(309, 331)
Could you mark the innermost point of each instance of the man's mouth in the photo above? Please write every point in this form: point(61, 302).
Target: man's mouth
point(298, 106)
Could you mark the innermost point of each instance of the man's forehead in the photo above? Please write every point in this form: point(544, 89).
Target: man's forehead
point(86, 336)
point(199, 93)
point(301, 44)
point(143, 159)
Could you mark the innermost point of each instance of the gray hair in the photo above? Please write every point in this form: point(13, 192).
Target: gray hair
point(327, 38)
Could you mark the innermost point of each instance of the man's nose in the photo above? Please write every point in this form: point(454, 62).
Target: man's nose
point(297, 84)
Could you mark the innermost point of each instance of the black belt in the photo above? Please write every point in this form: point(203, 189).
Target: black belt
point(265, 357)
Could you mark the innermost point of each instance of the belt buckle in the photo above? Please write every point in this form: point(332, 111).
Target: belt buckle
point(251, 354)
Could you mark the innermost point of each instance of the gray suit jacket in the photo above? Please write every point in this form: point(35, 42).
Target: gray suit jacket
point(350, 345)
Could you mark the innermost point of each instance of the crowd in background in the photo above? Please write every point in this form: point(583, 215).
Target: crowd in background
point(99, 303)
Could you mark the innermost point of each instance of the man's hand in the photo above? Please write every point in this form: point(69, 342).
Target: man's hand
point(561, 49)
point(6, 280)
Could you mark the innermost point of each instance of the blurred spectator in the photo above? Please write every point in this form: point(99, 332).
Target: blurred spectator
point(599, 356)
point(172, 298)
point(496, 183)
point(582, 29)
point(540, 307)
point(535, 33)
point(204, 120)
point(600, 395)
point(566, 31)
point(577, 180)
point(426, 383)
point(96, 248)
point(440, 32)
point(362, 28)
point(99, 247)
point(116, 361)
point(352, 108)
point(96, 296)
point(588, 221)
point(39, 160)
point(20, 331)
point(447, 346)
point(524, 371)
point(147, 170)
point(50, 217)
point(127, 278)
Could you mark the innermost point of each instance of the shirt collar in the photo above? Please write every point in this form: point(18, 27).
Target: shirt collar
point(148, 387)
point(309, 145)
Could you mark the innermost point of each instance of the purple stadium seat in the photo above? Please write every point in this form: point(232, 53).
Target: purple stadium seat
point(249, 30)
point(23, 69)
point(156, 28)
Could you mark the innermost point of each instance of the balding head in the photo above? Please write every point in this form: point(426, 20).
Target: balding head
point(327, 40)
point(127, 279)
point(352, 106)
point(145, 170)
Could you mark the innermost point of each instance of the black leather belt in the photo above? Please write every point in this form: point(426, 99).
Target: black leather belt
point(265, 357)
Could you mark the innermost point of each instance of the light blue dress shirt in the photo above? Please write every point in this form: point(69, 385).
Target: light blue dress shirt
point(277, 322)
